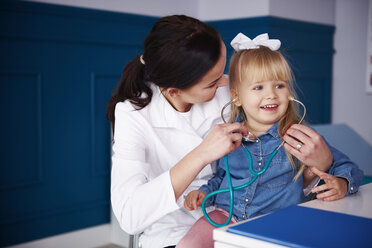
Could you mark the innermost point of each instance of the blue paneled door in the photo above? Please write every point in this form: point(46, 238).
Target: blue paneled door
point(58, 66)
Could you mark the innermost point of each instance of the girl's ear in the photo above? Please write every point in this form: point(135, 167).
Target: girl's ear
point(234, 95)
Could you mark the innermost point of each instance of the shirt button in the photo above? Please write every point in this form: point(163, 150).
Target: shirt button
point(351, 188)
point(256, 140)
point(244, 216)
point(259, 163)
point(246, 200)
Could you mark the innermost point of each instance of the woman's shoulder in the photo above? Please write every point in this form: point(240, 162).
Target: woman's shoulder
point(124, 106)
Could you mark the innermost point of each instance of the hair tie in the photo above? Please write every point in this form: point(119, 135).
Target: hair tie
point(141, 59)
point(242, 42)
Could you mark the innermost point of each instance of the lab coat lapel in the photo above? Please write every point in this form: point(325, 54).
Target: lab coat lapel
point(164, 115)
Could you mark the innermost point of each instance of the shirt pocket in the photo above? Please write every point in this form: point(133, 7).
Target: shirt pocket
point(278, 174)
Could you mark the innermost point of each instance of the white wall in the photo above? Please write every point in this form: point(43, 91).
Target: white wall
point(318, 11)
point(351, 104)
point(209, 10)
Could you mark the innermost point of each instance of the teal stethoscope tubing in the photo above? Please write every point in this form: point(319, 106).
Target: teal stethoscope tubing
point(231, 189)
point(255, 174)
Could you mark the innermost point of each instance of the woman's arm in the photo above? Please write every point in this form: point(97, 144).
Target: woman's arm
point(221, 140)
point(137, 201)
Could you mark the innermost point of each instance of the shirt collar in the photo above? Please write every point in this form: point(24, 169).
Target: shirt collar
point(273, 131)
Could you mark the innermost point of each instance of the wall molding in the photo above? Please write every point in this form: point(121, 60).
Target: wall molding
point(38, 94)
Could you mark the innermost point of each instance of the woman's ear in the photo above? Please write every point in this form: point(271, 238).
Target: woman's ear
point(234, 95)
point(173, 92)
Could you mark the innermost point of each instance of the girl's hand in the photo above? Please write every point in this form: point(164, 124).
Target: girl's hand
point(335, 187)
point(308, 146)
point(194, 199)
point(222, 139)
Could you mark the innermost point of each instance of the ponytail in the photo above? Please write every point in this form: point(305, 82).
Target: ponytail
point(131, 87)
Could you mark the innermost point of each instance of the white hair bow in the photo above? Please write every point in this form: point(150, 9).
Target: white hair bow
point(242, 42)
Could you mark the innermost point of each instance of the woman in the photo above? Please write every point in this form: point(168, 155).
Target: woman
point(165, 114)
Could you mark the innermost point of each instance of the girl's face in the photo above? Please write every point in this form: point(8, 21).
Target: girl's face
point(264, 103)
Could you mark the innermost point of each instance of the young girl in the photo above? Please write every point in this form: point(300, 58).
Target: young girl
point(261, 83)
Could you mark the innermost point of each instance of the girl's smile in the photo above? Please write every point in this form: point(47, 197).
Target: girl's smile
point(270, 107)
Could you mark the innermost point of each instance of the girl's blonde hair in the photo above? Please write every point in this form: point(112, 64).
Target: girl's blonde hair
point(259, 65)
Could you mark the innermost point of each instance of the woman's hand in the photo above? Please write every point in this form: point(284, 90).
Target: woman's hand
point(222, 139)
point(308, 146)
point(335, 187)
point(194, 199)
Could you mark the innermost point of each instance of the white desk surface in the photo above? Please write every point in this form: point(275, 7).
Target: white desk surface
point(359, 204)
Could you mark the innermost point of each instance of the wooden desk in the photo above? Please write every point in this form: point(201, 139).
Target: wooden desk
point(359, 204)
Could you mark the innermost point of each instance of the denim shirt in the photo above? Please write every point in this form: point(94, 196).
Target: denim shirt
point(275, 188)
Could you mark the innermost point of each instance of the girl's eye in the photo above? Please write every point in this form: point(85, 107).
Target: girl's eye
point(258, 88)
point(279, 86)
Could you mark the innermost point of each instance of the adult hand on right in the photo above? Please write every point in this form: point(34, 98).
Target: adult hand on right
point(222, 139)
point(308, 146)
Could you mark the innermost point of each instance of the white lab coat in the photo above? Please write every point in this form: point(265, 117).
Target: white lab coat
point(147, 143)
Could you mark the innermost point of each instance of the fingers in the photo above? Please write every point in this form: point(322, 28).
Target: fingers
point(294, 137)
point(334, 188)
point(333, 197)
point(190, 204)
point(304, 129)
point(186, 205)
point(320, 188)
point(193, 200)
point(293, 151)
point(235, 127)
point(327, 191)
point(317, 172)
point(303, 135)
point(327, 194)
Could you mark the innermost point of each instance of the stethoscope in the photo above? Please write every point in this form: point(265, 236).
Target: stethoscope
point(231, 189)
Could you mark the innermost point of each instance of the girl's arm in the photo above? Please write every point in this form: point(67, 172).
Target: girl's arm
point(343, 178)
point(343, 167)
point(214, 183)
point(310, 179)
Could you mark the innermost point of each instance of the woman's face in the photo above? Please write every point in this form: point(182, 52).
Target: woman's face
point(205, 89)
point(264, 103)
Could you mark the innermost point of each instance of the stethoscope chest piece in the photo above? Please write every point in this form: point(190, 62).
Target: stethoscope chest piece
point(250, 137)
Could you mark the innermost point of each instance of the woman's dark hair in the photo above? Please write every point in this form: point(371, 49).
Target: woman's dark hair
point(178, 52)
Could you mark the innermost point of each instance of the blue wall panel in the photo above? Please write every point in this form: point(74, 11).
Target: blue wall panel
point(58, 66)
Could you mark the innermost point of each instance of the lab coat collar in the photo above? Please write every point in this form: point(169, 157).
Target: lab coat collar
point(164, 115)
